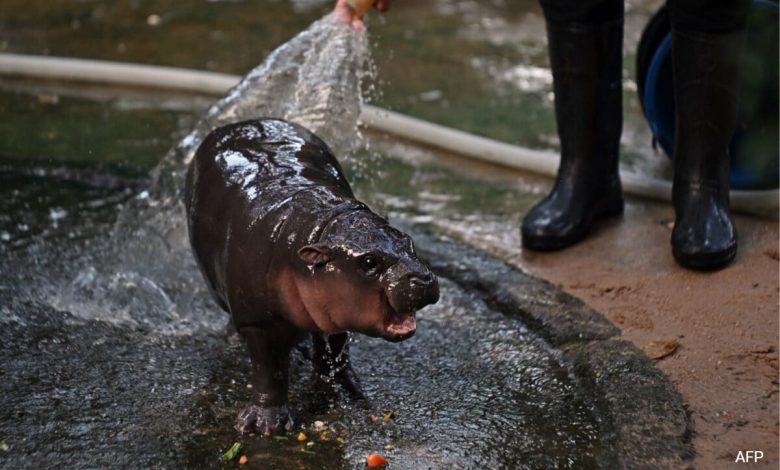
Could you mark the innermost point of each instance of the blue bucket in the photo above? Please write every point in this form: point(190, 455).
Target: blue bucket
point(755, 157)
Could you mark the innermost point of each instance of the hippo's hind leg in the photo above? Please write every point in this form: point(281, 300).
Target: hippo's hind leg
point(231, 333)
point(269, 351)
point(330, 356)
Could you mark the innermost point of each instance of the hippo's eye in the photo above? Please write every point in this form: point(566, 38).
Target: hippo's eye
point(368, 263)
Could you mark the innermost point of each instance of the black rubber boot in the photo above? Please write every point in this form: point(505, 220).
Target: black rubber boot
point(706, 73)
point(586, 61)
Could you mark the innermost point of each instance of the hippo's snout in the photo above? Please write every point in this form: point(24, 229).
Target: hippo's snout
point(424, 288)
point(413, 291)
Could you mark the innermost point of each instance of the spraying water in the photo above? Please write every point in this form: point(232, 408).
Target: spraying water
point(144, 272)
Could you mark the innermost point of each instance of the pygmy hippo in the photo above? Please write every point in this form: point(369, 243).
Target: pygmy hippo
point(286, 249)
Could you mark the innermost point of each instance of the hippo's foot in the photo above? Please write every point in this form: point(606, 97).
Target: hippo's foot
point(350, 383)
point(264, 420)
point(344, 380)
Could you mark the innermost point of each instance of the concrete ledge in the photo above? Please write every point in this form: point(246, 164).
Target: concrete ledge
point(647, 419)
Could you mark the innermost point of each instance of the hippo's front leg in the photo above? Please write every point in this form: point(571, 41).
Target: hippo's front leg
point(269, 351)
point(331, 360)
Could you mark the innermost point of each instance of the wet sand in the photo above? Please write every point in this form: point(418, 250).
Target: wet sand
point(726, 322)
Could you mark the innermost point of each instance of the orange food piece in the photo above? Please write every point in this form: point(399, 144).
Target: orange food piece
point(375, 460)
point(243, 460)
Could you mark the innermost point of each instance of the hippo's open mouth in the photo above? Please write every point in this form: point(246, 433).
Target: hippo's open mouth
point(398, 325)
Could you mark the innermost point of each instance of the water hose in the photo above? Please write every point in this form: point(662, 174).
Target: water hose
point(759, 202)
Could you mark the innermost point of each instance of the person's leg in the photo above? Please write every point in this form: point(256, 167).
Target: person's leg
point(585, 40)
point(707, 40)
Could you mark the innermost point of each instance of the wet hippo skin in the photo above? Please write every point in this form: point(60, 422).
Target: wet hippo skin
point(287, 250)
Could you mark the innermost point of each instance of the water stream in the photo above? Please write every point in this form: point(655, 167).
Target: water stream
point(144, 274)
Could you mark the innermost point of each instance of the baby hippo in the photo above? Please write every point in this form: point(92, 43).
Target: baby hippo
point(286, 249)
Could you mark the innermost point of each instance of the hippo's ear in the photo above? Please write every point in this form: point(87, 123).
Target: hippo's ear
point(318, 254)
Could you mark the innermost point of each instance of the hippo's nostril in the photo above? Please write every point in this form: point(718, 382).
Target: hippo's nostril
point(421, 280)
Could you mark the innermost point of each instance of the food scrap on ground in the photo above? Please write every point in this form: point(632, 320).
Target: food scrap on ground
point(243, 460)
point(232, 452)
point(384, 416)
point(319, 426)
point(375, 460)
point(660, 349)
point(301, 437)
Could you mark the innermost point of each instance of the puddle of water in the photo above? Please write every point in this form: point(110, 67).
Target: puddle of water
point(472, 389)
point(50, 127)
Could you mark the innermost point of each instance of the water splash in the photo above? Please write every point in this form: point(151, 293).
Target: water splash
point(314, 80)
point(143, 272)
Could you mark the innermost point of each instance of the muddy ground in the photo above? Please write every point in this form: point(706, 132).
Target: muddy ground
point(726, 322)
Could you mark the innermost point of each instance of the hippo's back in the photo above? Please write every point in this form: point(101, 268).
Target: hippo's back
point(267, 158)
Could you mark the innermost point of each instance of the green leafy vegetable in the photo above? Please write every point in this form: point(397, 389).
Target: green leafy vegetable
point(232, 452)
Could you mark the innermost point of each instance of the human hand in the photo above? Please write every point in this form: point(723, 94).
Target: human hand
point(351, 11)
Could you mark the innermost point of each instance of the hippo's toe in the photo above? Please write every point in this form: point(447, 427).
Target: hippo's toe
point(264, 420)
